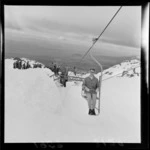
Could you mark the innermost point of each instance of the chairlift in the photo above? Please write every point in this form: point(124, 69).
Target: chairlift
point(100, 82)
point(97, 62)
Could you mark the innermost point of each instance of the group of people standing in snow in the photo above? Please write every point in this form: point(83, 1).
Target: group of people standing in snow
point(55, 69)
point(21, 65)
point(62, 72)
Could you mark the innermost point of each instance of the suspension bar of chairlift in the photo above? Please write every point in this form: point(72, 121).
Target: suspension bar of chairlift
point(100, 79)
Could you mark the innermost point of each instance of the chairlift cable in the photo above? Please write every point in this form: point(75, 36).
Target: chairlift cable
point(100, 34)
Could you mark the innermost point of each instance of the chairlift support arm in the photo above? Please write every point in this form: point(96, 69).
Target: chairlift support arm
point(100, 79)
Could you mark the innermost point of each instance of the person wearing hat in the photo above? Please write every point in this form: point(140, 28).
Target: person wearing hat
point(91, 87)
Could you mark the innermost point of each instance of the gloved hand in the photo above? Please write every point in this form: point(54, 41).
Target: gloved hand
point(87, 89)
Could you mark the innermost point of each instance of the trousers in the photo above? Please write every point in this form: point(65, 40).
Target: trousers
point(91, 98)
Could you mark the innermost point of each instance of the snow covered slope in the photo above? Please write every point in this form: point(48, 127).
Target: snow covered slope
point(123, 68)
point(37, 110)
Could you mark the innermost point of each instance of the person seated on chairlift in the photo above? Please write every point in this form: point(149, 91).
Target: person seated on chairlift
point(91, 87)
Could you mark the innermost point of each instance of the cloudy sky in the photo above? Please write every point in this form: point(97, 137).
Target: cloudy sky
point(78, 23)
point(65, 33)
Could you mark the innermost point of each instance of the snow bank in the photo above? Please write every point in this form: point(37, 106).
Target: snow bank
point(119, 119)
point(30, 95)
point(29, 86)
point(37, 110)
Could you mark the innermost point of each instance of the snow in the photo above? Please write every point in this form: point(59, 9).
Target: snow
point(120, 68)
point(31, 62)
point(37, 109)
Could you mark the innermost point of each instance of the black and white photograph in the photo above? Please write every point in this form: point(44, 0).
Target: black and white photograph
point(72, 74)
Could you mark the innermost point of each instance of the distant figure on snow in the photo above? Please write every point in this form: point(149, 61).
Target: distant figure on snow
point(91, 87)
point(63, 76)
point(75, 71)
point(19, 64)
point(55, 69)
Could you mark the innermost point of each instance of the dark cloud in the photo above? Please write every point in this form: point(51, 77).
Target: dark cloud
point(124, 30)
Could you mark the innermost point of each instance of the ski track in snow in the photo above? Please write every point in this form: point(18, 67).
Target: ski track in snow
point(38, 110)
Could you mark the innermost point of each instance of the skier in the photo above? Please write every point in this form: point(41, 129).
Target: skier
point(28, 66)
point(91, 87)
point(19, 64)
point(14, 64)
point(74, 70)
point(55, 69)
point(64, 76)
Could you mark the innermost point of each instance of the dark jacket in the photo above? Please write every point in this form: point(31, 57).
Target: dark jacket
point(92, 84)
point(64, 72)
